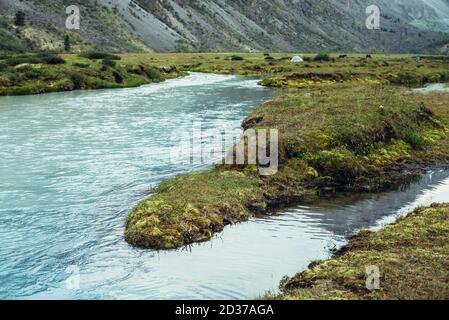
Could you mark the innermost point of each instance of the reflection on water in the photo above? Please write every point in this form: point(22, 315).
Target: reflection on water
point(73, 164)
point(345, 215)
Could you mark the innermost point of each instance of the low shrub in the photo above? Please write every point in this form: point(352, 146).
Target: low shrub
point(235, 58)
point(108, 62)
point(52, 59)
point(12, 77)
point(29, 72)
point(153, 73)
point(322, 57)
point(3, 66)
point(97, 55)
point(14, 61)
point(81, 65)
point(44, 58)
point(409, 79)
point(118, 77)
point(77, 80)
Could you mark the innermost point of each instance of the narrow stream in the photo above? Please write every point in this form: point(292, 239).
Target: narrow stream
point(433, 87)
point(73, 164)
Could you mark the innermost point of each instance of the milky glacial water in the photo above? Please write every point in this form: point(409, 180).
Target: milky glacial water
point(73, 164)
point(433, 88)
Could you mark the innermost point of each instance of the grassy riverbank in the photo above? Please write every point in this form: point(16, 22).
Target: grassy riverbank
point(411, 255)
point(36, 73)
point(333, 138)
point(278, 71)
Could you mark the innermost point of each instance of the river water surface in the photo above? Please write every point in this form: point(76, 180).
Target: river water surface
point(73, 164)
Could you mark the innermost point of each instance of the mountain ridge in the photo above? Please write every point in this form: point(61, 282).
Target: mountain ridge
point(231, 25)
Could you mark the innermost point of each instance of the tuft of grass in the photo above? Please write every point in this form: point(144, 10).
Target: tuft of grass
point(190, 208)
point(415, 140)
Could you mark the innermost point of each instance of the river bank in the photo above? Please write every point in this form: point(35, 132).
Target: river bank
point(352, 131)
point(339, 135)
point(332, 138)
point(52, 190)
point(37, 73)
point(411, 256)
point(74, 163)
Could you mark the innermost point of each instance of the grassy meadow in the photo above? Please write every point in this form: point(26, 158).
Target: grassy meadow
point(36, 73)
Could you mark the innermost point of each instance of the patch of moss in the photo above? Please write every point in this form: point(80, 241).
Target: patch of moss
point(191, 207)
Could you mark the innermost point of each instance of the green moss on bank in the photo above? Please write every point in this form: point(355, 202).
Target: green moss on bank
point(191, 207)
point(339, 138)
point(278, 70)
point(412, 256)
point(33, 73)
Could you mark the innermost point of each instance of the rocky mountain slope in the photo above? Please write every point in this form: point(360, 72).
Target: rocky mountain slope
point(232, 25)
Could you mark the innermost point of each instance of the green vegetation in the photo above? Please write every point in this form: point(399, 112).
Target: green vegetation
point(278, 71)
point(235, 58)
point(67, 45)
point(322, 57)
point(97, 55)
point(177, 214)
point(8, 43)
point(20, 19)
point(346, 124)
point(36, 73)
point(412, 256)
point(332, 139)
point(108, 62)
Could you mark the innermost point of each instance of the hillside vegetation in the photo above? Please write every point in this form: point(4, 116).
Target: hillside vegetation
point(35, 73)
point(237, 25)
point(45, 21)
